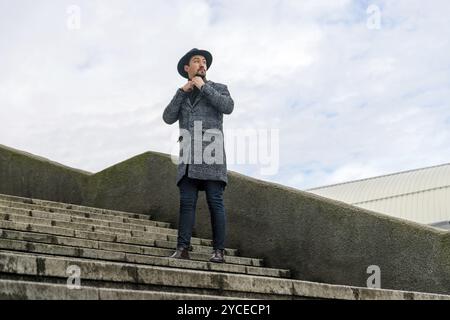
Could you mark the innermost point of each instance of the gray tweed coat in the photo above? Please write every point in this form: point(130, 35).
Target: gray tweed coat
point(211, 103)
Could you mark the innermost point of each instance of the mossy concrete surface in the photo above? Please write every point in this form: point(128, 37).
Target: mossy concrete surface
point(27, 175)
point(318, 239)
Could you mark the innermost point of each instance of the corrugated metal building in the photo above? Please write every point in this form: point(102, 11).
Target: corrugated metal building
point(421, 195)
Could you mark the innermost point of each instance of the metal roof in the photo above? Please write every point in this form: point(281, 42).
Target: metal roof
point(421, 195)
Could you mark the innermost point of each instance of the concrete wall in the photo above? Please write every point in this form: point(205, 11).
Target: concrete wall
point(318, 239)
point(28, 175)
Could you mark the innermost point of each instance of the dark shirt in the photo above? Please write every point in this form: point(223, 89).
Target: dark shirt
point(193, 94)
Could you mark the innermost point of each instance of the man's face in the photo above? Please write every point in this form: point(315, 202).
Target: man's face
point(197, 67)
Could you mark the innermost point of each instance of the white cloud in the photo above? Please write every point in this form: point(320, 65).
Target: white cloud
point(350, 102)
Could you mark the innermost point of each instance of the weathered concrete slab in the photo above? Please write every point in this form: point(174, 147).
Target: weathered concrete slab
point(84, 220)
point(68, 206)
point(26, 264)
point(152, 234)
point(27, 290)
point(83, 214)
point(134, 257)
point(106, 237)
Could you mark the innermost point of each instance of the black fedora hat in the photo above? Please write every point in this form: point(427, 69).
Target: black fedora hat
point(187, 57)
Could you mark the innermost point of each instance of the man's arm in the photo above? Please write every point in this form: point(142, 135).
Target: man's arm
point(172, 110)
point(220, 99)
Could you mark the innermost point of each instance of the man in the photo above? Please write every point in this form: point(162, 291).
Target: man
point(200, 102)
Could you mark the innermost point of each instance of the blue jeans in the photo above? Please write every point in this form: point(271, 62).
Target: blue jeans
point(188, 201)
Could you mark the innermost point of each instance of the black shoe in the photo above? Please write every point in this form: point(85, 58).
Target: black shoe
point(181, 253)
point(217, 256)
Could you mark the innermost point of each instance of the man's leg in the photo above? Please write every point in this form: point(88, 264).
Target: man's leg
point(188, 202)
point(214, 196)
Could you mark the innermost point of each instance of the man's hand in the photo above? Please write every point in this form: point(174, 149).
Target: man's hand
point(198, 82)
point(188, 87)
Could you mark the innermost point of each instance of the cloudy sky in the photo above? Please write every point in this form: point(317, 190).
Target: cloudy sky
point(355, 88)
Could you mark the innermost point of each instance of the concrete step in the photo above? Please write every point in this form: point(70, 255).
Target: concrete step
point(66, 219)
point(125, 276)
point(29, 290)
point(136, 258)
point(53, 204)
point(19, 223)
point(91, 221)
point(83, 214)
point(19, 233)
point(24, 217)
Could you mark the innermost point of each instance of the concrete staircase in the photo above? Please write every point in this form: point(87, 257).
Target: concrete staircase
point(122, 255)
